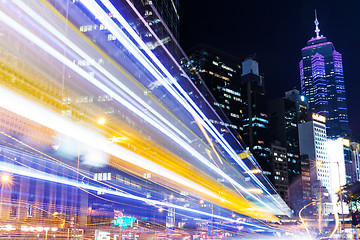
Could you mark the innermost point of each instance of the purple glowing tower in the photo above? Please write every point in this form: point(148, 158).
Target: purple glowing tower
point(322, 82)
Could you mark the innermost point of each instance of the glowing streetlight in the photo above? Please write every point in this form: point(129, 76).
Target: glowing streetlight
point(201, 201)
point(5, 178)
point(101, 121)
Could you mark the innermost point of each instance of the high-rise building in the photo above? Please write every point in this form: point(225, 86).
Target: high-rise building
point(238, 94)
point(255, 122)
point(284, 116)
point(169, 12)
point(322, 82)
point(313, 142)
point(314, 154)
point(220, 84)
point(279, 174)
point(341, 163)
point(166, 13)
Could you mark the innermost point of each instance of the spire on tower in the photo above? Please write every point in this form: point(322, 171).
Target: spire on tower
point(317, 29)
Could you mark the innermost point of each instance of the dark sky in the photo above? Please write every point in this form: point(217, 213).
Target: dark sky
point(276, 31)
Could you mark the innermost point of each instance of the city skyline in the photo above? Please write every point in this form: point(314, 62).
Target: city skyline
point(110, 131)
point(100, 125)
point(276, 32)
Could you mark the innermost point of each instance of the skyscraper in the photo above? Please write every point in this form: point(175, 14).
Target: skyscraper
point(220, 74)
point(255, 123)
point(168, 10)
point(322, 82)
point(238, 94)
point(284, 115)
point(313, 147)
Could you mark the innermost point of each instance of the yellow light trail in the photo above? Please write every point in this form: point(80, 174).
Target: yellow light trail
point(36, 89)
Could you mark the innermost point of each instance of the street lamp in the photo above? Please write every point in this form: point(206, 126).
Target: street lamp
point(6, 182)
point(101, 121)
point(5, 178)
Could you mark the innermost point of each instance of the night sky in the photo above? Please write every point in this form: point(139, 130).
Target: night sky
point(276, 31)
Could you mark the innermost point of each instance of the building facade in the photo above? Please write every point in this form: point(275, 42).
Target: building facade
point(279, 174)
point(322, 82)
point(342, 163)
point(355, 148)
point(313, 143)
point(220, 83)
point(255, 121)
point(169, 12)
point(313, 149)
point(284, 116)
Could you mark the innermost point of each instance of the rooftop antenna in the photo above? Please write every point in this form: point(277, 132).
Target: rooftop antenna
point(317, 29)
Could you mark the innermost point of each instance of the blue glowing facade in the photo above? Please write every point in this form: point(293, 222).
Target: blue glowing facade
point(322, 82)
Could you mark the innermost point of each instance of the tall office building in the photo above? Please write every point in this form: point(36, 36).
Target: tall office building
point(313, 142)
point(238, 94)
point(284, 116)
point(220, 74)
point(164, 12)
point(279, 174)
point(255, 122)
point(322, 82)
point(341, 163)
point(313, 147)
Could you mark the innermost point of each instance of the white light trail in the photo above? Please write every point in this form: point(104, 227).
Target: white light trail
point(40, 43)
point(126, 42)
point(101, 86)
point(10, 168)
point(213, 131)
point(85, 56)
point(184, 95)
point(29, 110)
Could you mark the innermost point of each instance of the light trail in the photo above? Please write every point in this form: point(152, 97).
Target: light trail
point(198, 114)
point(86, 57)
point(127, 43)
point(121, 100)
point(27, 109)
point(251, 158)
point(40, 43)
point(53, 178)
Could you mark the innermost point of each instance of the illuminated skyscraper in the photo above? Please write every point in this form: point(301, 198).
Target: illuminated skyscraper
point(322, 82)
point(168, 10)
point(313, 146)
point(284, 116)
point(221, 75)
point(255, 122)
